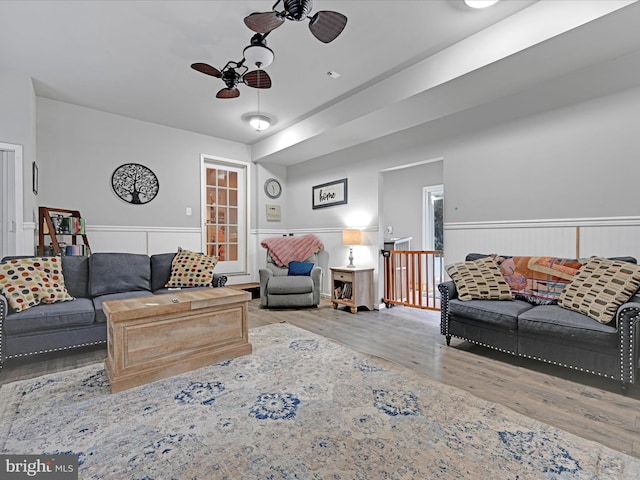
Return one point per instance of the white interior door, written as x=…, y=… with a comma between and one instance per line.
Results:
x=11, y=224
x=224, y=207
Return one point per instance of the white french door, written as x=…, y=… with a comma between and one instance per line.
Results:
x=224, y=207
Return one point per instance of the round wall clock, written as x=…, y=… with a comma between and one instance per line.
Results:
x=272, y=188
x=135, y=183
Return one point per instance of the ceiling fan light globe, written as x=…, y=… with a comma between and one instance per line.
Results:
x=258, y=56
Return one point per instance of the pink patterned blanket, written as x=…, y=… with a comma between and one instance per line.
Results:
x=289, y=249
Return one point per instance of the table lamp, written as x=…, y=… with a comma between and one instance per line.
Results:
x=351, y=237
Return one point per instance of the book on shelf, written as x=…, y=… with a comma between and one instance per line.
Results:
x=342, y=291
x=76, y=250
x=73, y=225
x=66, y=225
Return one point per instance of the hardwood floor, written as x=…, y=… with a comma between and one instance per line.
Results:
x=580, y=403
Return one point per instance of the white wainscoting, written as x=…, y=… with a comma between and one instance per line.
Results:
x=147, y=240
x=29, y=240
x=583, y=237
x=612, y=241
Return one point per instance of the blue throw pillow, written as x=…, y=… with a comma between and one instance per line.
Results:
x=300, y=268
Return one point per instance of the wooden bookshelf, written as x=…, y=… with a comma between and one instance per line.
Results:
x=46, y=228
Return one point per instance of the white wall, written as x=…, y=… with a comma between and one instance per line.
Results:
x=18, y=126
x=554, y=183
x=577, y=161
x=80, y=148
x=362, y=166
x=503, y=162
x=513, y=160
x=402, y=202
x=262, y=174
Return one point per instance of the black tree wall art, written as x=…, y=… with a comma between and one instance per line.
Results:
x=135, y=183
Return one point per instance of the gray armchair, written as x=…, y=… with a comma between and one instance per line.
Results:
x=280, y=290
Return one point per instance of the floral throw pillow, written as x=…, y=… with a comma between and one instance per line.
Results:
x=191, y=269
x=27, y=282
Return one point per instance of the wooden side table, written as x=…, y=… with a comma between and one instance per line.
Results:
x=352, y=287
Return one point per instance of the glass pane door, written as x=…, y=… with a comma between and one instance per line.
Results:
x=225, y=215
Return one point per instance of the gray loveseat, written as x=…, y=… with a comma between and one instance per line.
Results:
x=82, y=322
x=548, y=333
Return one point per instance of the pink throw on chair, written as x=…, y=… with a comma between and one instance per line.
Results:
x=288, y=249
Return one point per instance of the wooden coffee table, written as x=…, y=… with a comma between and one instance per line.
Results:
x=154, y=337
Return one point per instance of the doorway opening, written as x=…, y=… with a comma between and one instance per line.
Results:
x=433, y=223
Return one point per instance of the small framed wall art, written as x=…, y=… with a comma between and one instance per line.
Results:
x=329, y=194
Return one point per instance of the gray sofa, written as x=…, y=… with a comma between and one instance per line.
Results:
x=82, y=322
x=280, y=290
x=547, y=333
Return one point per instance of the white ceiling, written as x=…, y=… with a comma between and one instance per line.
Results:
x=133, y=58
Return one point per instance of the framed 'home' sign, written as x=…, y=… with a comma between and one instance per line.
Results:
x=329, y=194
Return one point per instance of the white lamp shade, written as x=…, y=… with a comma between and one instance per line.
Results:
x=480, y=3
x=258, y=56
x=351, y=236
x=260, y=122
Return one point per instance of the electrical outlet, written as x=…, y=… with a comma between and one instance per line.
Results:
x=188, y=211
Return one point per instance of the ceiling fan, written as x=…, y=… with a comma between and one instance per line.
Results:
x=233, y=74
x=325, y=25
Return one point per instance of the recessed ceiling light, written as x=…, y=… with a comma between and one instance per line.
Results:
x=480, y=3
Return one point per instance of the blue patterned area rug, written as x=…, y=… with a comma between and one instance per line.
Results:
x=299, y=407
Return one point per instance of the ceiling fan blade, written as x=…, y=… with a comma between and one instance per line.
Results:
x=208, y=69
x=257, y=79
x=327, y=25
x=263, y=22
x=228, y=93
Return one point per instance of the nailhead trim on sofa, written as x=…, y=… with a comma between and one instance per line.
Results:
x=627, y=373
x=2, y=315
x=218, y=281
x=53, y=350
